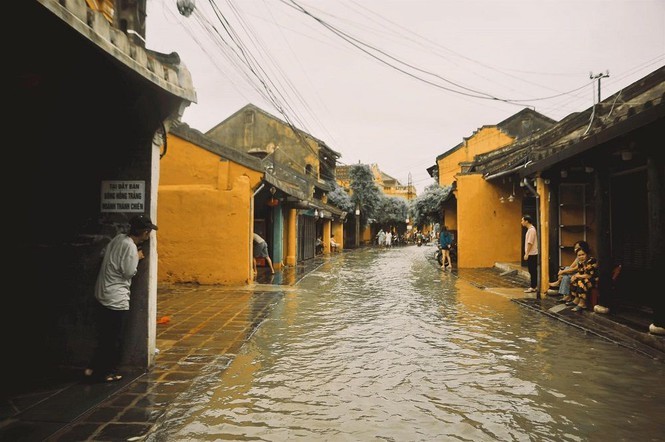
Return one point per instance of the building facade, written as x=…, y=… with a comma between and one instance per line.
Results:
x=599, y=175
x=206, y=210
x=300, y=168
x=91, y=107
x=477, y=210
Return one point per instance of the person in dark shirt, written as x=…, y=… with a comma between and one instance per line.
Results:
x=446, y=242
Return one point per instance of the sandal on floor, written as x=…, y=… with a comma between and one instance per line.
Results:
x=112, y=377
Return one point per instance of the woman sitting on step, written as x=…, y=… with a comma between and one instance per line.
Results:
x=562, y=284
x=584, y=280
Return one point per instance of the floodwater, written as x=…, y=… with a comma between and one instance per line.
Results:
x=381, y=345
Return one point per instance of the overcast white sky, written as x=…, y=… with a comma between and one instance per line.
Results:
x=451, y=60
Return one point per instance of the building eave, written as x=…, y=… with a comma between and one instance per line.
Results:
x=93, y=26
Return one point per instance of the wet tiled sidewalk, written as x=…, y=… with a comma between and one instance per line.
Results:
x=206, y=327
x=203, y=329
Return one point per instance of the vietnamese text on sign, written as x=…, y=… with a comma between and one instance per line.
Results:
x=123, y=196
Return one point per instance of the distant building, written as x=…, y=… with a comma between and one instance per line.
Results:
x=300, y=168
x=388, y=185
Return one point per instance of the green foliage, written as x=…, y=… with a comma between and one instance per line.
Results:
x=427, y=207
x=339, y=198
x=392, y=211
x=365, y=193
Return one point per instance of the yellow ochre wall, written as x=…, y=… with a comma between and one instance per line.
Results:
x=338, y=231
x=484, y=140
x=487, y=230
x=204, y=216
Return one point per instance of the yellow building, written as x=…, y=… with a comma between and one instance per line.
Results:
x=388, y=185
x=205, y=210
x=251, y=173
x=303, y=168
x=573, y=178
x=485, y=216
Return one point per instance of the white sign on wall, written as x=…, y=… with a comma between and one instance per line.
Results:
x=123, y=196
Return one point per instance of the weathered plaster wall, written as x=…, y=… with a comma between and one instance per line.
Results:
x=261, y=133
x=488, y=231
x=205, y=217
x=338, y=231
x=484, y=140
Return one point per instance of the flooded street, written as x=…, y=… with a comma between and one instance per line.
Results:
x=382, y=345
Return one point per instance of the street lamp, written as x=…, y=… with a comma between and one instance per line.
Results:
x=357, y=224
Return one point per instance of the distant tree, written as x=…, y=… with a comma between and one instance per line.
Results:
x=339, y=198
x=427, y=208
x=392, y=211
x=364, y=192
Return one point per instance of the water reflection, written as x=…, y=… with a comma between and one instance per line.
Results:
x=382, y=345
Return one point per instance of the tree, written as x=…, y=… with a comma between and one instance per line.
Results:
x=427, y=207
x=339, y=198
x=392, y=211
x=364, y=194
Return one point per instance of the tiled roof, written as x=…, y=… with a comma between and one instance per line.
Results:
x=628, y=109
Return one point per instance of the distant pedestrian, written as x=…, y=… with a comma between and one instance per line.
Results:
x=446, y=242
x=389, y=238
x=531, y=252
x=381, y=237
x=334, y=247
x=112, y=291
x=261, y=251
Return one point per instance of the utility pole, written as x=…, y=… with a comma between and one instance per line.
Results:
x=599, y=77
x=408, y=188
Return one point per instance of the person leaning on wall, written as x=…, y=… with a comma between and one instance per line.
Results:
x=112, y=291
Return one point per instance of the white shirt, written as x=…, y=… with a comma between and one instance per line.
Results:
x=120, y=263
x=531, y=241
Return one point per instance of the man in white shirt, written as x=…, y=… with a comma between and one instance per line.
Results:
x=531, y=252
x=112, y=291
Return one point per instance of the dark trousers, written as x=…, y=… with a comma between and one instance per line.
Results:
x=110, y=325
x=532, y=265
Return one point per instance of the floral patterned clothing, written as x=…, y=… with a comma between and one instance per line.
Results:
x=581, y=287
